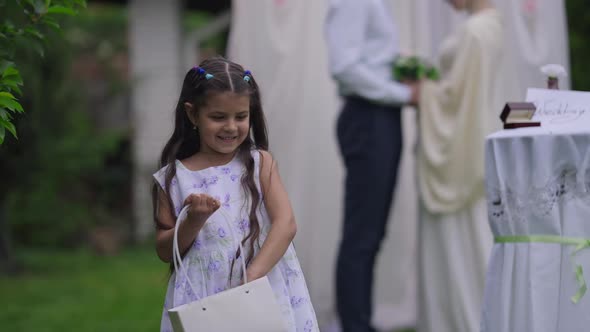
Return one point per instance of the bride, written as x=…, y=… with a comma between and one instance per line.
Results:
x=455, y=115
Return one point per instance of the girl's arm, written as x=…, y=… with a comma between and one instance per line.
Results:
x=202, y=206
x=283, y=226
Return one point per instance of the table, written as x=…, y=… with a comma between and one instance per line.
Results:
x=537, y=184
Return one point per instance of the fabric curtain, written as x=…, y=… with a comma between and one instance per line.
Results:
x=282, y=43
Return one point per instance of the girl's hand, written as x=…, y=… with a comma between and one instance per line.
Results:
x=202, y=206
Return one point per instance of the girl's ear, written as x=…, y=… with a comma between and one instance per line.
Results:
x=191, y=112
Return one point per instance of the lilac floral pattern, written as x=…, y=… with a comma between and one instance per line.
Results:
x=205, y=182
x=243, y=225
x=221, y=232
x=197, y=244
x=297, y=301
x=225, y=201
x=214, y=266
x=211, y=259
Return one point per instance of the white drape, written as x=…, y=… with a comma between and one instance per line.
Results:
x=282, y=43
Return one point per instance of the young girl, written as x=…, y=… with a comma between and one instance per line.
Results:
x=217, y=159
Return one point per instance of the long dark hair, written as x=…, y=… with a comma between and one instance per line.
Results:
x=185, y=142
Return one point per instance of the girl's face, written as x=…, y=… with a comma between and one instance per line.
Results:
x=223, y=122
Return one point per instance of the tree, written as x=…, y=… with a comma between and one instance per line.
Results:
x=24, y=30
x=23, y=26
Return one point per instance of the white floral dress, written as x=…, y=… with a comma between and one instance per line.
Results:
x=209, y=260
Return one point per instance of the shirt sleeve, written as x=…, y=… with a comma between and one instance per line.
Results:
x=346, y=33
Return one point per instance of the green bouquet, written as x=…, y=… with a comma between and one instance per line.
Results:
x=413, y=68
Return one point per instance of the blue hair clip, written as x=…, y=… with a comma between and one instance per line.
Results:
x=200, y=70
x=247, y=74
x=208, y=76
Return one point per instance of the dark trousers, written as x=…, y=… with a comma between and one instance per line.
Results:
x=370, y=139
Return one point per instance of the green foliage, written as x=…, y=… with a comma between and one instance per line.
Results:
x=65, y=174
x=578, y=16
x=413, y=68
x=22, y=26
x=65, y=194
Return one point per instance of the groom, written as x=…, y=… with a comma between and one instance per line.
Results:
x=362, y=45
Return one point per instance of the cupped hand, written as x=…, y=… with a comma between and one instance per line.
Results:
x=202, y=206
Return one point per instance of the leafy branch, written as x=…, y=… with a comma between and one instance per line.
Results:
x=26, y=30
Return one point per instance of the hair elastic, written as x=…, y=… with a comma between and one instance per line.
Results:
x=247, y=74
x=201, y=71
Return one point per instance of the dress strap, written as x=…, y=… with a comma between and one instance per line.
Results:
x=256, y=156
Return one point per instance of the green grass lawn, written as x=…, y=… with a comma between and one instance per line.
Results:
x=77, y=291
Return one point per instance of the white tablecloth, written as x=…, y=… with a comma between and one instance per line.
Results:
x=537, y=183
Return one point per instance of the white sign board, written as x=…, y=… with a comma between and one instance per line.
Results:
x=561, y=109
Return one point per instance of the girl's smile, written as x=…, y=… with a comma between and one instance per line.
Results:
x=227, y=139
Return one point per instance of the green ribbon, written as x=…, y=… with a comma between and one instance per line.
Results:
x=580, y=244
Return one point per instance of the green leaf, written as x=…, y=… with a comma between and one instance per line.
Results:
x=14, y=88
x=7, y=94
x=5, y=115
x=11, y=104
x=61, y=10
x=10, y=70
x=8, y=125
x=12, y=84
x=51, y=22
x=11, y=79
x=34, y=33
x=2, y=133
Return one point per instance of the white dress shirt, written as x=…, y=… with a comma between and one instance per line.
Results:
x=362, y=44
